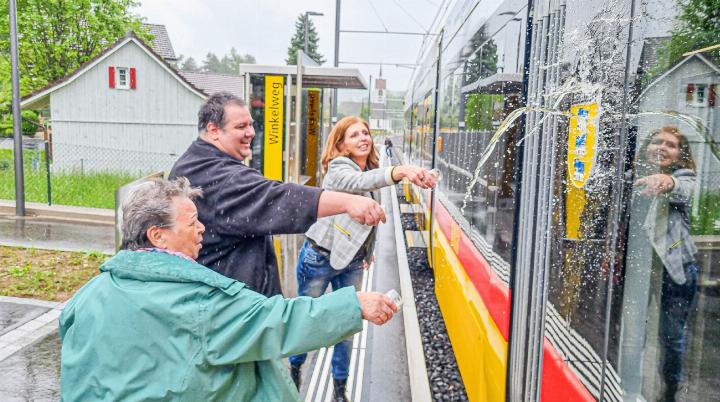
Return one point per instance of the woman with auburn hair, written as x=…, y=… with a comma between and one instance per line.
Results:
x=337, y=249
x=667, y=181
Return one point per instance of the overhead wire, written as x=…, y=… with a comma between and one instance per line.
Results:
x=410, y=15
x=377, y=15
x=438, y=15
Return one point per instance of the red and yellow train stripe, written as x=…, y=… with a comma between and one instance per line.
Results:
x=476, y=306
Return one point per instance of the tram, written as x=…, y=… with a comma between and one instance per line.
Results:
x=561, y=129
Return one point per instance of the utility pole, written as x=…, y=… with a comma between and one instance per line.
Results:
x=17, y=132
x=369, y=101
x=336, y=61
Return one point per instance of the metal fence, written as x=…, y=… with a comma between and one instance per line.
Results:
x=76, y=175
x=85, y=159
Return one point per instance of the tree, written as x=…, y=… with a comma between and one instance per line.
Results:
x=211, y=64
x=298, y=41
x=229, y=64
x=187, y=64
x=56, y=37
x=28, y=126
x=698, y=27
x=483, y=63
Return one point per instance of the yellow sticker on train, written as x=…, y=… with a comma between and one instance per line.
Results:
x=582, y=142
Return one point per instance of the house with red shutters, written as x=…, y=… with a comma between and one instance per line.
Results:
x=687, y=96
x=128, y=109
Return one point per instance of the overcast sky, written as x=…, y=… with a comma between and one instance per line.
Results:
x=263, y=28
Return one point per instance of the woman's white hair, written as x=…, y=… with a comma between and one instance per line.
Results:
x=151, y=204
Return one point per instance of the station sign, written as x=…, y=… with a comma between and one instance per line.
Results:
x=312, y=127
x=274, y=124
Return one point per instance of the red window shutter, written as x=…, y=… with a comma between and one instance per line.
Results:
x=689, y=94
x=713, y=95
x=111, y=76
x=133, y=82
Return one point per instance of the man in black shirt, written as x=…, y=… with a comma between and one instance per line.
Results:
x=241, y=209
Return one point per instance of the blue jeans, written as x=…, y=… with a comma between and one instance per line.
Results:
x=675, y=303
x=314, y=273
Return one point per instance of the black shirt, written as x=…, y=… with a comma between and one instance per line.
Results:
x=241, y=209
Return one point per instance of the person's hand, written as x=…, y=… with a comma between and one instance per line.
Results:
x=376, y=307
x=417, y=176
x=366, y=265
x=655, y=184
x=364, y=210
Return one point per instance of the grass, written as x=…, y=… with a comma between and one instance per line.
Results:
x=45, y=274
x=704, y=224
x=96, y=190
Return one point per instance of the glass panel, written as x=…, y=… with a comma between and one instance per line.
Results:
x=257, y=111
x=670, y=319
x=474, y=101
x=639, y=321
x=579, y=83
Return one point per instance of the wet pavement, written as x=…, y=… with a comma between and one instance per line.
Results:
x=29, y=349
x=29, y=340
x=56, y=235
x=33, y=373
x=13, y=315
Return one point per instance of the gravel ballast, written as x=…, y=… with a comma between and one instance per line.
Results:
x=445, y=381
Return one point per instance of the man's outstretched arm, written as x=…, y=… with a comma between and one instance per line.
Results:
x=362, y=209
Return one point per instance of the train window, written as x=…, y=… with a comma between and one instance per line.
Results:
x=617, y=265
x=670, y=283
x=633, y=239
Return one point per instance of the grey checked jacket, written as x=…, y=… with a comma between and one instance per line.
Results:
x=340, y=234
x=667, y=225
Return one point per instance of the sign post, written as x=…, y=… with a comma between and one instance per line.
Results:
x=17, y=131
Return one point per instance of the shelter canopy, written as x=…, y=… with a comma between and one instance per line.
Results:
x=498, y=83
x=313, y=77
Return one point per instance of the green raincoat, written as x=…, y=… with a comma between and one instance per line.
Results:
x=154, y=326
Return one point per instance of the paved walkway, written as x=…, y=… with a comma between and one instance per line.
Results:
x=29, y=350
x=51, y=234
x=24, y=321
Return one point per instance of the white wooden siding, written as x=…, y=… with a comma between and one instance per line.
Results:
x=123, y=129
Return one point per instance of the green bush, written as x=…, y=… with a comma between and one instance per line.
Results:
x=28, y=126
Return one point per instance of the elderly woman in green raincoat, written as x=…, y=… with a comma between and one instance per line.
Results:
x=155, y=325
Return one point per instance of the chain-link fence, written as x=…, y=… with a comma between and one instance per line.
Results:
x=75, y=174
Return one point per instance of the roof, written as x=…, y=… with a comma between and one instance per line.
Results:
x=210, y=83
x=314, y=77
x=161, y=41
x=496, y=84
x=40, y=98
x=649, y=54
